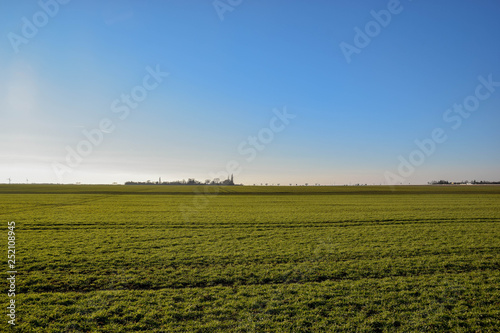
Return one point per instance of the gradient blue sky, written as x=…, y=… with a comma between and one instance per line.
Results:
x=353, y=120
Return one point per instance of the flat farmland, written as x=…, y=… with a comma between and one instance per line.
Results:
x=254, y=259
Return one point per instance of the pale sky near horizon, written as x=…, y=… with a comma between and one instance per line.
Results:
x=280, y=91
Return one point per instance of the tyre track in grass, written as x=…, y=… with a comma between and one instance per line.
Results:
x=270, y=226
x=42, y=207
x=491, y=270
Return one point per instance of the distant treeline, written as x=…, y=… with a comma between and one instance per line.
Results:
x=190, y=181
x=465, y=182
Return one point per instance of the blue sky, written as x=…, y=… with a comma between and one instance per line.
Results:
x=355, y=118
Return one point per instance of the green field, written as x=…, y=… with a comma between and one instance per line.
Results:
x=254, y=259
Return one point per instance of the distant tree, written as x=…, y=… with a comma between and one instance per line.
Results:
x=440, y=182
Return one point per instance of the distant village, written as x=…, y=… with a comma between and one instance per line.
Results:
x=230, y=181
x=465, y=182
x=190, y=181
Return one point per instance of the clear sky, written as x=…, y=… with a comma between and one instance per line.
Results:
x=276, y=91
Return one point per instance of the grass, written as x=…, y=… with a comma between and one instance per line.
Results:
x=255, y=259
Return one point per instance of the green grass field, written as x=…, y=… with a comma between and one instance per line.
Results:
x=254, y=259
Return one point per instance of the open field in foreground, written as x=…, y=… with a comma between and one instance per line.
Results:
x=254, y=259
